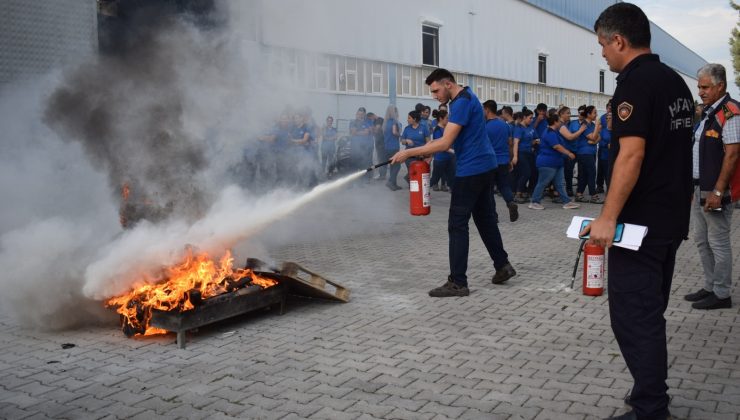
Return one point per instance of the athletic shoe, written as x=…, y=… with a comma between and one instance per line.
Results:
x=444, y=188
x=581, y=198
x=513, y=211
x=571, y=205
x=595, y=199
x=449, y=289
x=435, y=188
x=536, y=206
x=504, y=273
x=713, y=302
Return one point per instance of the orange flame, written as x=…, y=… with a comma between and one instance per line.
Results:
x=195, y=273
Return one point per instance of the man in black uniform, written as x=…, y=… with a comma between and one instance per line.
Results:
x=651, y=185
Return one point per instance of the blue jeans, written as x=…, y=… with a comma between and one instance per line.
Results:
x=526, y=165
x=713, y=239
x=473, y=195
x=586, y=173
x=549, y=174
x=503, y=184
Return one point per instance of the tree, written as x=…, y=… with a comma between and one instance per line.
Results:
x=735, y=45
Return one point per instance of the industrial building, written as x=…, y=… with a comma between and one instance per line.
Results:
x=349, y=54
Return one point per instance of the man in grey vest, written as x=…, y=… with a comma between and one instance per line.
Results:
x=716, y=151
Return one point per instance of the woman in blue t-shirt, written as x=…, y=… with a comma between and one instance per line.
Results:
x=550, y=165
x=602, y=170
x=444, y=162
x=586, y=156
x=569, y=133
x=391, y=136
x=523, y=159
x=414, y=135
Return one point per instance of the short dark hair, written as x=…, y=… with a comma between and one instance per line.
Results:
x=415, y=115
x=490, y=105
x=438, y=75
x=541, y=107
x=526, y=112
x=507, y=109
x=627, y=20
x=419, y=107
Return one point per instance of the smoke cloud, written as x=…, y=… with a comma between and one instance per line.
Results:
x=166, y=121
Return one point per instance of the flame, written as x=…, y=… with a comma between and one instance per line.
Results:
x=196, y=273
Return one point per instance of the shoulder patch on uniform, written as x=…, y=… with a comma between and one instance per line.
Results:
x=624, y=111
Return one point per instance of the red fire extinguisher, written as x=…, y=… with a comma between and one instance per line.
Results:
x=593, y=270
x=419, y=187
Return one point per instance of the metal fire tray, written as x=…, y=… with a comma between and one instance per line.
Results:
x=221, y=307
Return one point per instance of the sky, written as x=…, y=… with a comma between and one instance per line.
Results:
x=703, y=26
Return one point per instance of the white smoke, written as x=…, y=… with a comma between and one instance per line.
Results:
x=61, y=247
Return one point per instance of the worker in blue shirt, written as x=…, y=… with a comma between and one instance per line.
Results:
x=499, y=134
x=472, y=190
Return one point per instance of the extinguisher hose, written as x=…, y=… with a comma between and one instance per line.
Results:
x=575, y=266
x=378, y=165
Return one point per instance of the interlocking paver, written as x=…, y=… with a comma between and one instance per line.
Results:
x=526, y=349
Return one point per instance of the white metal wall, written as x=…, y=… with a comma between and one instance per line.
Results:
x=501, y=38
x=37, y=35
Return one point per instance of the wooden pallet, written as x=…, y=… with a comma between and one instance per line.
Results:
x=307, y=283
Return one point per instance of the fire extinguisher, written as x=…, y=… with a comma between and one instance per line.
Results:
x=593, y=270
x=419, y=178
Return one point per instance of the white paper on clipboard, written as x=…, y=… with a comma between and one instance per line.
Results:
x=631, y=237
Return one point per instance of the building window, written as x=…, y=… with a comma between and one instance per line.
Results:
x=377, y=77
x=542, y=69
x=430, y=45
x=601, y=81
x=322, y=73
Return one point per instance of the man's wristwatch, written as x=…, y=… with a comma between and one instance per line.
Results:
x=718, y=193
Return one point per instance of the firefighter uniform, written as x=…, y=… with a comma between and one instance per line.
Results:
x=651, y=101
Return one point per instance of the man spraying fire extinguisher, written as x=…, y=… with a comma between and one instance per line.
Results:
x=472, y=187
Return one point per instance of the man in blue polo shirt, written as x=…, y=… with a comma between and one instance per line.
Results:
x=472, y=191
x=499, y=134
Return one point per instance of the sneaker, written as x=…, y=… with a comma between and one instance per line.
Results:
x=581, y=199
x=504, y=273
x=713, y=302
x=595, y=199
x=449, y=289
x=536, y=206
x=435, y=188
x=513, y=211
x=697, y=296
x=444, y=188
x=571, y=205
x=520, y=200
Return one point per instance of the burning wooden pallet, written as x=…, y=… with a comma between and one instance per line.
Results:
x=241, y=291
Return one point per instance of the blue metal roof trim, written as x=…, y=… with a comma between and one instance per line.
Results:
x=584, y=13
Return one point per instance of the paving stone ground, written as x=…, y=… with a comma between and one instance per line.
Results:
x=527, y=349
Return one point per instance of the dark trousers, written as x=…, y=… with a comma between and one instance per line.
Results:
x=443, y=170
x=525, y=165
x=639, y=285
x=503, y=184
x=602, y=178
x=586, y=173
x=394, y=168
x=568, y=170
x=473, y=195
x=380, y=154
